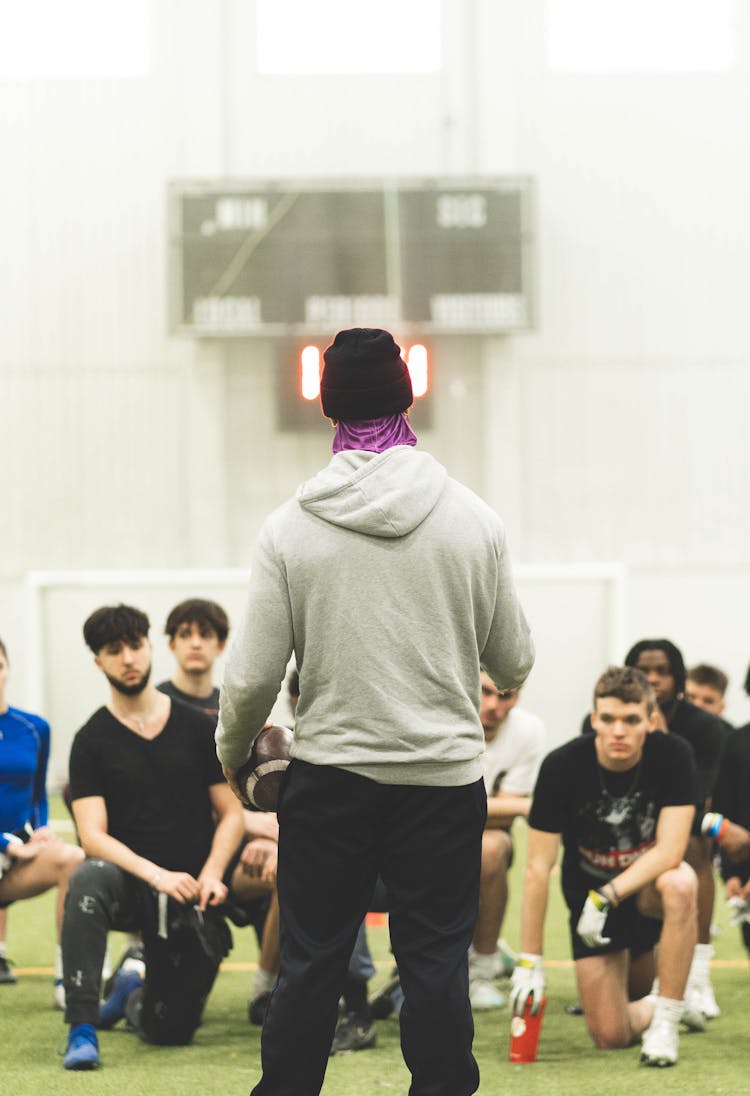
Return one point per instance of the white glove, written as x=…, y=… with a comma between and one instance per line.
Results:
x=527, y=982
x=591, y=922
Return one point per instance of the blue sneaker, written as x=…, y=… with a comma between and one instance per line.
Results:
x=113, y=1009
x=83, y=1048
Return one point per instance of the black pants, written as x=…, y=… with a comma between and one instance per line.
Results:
x=182, y=951
x=337, y=832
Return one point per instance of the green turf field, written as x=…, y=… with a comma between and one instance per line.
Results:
x=224, y=1057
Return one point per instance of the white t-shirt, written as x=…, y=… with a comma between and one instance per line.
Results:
x=512, y=759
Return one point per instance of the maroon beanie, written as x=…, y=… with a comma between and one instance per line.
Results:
x=364, y=376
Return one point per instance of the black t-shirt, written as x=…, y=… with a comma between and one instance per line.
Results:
x=732, y=792
x=207, y=704
x=155, y=790
x=608, y=819
x=706, y=735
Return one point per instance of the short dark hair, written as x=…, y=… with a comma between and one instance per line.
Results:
x=196, y=610
x=113, y=624
x=627, y=684
x=706, y=674
x=674, y=655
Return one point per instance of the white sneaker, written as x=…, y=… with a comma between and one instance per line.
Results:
x=659, y=1046
x=693, y=1016
x=505, y=960
x=709, y=1006
x=483, y=994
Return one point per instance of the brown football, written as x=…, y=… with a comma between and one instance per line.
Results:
x=261, y=775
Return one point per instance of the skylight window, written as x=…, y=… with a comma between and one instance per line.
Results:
x=641, y=35
x=339, y=37
x=74, y=39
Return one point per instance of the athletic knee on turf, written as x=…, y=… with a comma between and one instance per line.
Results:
x=496, y=847
x=91, y=888
x=678, y=889
x=65, y=859
x=612, y=1034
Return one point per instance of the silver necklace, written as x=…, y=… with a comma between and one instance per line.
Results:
x=625, y=795
x=140, y=721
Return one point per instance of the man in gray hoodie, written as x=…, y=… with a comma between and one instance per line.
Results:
x=390, y=582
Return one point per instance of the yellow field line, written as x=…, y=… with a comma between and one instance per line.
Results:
x=553, y=964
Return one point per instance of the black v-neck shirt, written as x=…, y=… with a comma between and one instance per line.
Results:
x=156, y=791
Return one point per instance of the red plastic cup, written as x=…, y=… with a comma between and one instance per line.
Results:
x=524, y=1034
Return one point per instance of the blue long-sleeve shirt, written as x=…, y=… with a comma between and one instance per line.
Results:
x=24, y=754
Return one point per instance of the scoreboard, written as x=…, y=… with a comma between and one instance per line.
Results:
x=302, y=258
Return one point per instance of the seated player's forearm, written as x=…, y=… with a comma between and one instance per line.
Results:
x=105, y=847
x=732, y=838
x=261, y=824
x=646, y=869
x=227, y=838
x=534, y=909
x=502, y=810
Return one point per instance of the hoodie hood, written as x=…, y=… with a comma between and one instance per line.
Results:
x=379, y=494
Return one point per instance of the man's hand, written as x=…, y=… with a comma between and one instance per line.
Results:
x=270, y=867
x=527, y=982
x=592, y=919
x=256, y=855
x=733, y=888
x=212, y=890
x=16, y=850
x=231, y=776
x=177, y=884
x=44, y=836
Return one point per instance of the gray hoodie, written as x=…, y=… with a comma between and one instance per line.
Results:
x=390, y=582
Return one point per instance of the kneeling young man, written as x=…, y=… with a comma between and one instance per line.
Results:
x=623, y=802
x=159, y=824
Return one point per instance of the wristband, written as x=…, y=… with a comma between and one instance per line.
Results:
x=600, y=900
x=615, y=896
x=715, y=825
x=528, y=961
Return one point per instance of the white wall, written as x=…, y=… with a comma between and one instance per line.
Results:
x=614, y=431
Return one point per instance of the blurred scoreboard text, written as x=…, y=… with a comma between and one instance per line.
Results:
x=429, y=256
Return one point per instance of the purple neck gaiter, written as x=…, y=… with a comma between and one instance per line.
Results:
x=375, y=435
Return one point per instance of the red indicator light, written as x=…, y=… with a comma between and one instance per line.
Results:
x=310, y=373
x=416, y=360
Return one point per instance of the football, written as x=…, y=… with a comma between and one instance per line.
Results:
x=261, y=775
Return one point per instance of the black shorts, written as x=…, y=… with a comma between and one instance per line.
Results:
x=627, y=928
x=254, y=911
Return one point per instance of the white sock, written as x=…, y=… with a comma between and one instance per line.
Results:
x=483, y=966
x=135, y=964
x=2, y=949
x=263, y=981
x=668, y=1009
x=701, y=964
x=58, y=962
